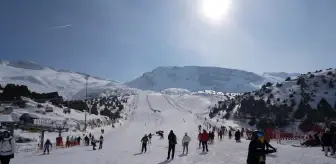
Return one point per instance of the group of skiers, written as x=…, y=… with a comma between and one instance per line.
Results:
x=172, y=141
x=94, y=141
x=328, y=142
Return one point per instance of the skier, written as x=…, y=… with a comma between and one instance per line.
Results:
x=256, y=151
x=327, y=142
x=87, y=141
x=199, y=127
x=7, y=148
x=220, y=134
x=237, y=136
x=47, y=144
x=230, y=134
x=204, y=139
x=199, y=139
x=78, y=140
x=144, y=141
x=172, y=143
x=211, y=137
x=93, y=143
x=185, y=143
x=150, y=138
x=101, y=139
x=67, y=143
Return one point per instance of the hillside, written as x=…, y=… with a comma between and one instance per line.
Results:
x=196, y=78
x=44, y=79
x=310, y=98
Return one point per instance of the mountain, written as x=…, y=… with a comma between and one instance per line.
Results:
x=196, y=78
x=279, y=76
x=309, y=97
x=44, y=79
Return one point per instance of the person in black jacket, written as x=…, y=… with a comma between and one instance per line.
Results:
x=144, y=141
x=257, y=152
x=172, y=143
x=237, y=136
x=327, y=142
x=47, y=145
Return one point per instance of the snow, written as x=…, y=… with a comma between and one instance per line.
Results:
x=194, y=78
x=121, y=146
x=44, y=79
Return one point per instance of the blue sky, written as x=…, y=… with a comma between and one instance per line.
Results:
x=121, y=39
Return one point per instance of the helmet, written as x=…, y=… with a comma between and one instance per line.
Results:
x=257, y=134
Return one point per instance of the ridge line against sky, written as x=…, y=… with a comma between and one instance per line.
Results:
x=122, y=39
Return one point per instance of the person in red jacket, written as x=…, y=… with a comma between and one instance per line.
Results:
x=204, y=137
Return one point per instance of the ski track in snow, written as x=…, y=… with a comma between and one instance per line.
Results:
x=122, y=146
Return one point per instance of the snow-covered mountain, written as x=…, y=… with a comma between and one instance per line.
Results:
x=44, y=79
x=310, y=97
x=196, y=78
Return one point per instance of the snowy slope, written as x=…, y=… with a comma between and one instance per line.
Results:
x=196, y=78
x=44, y=79
x=122, y=146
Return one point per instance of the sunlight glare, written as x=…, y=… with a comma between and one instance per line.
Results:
x=215, y=10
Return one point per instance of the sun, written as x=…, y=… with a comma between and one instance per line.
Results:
x=215, y=10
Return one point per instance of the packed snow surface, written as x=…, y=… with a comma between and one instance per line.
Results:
x=161, y=112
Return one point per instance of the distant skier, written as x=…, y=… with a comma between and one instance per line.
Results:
x=230, y=134
x=150, y=138
x=101, y=139
x=93, y=143
x=78, y=140
x=185, y=143
x=204, y=139
x=237, y=136
x=199, y=139
x=199, y=128
x=171, y=145
x=47, y=145
x=87, y=141
x=144, y=141
x=220, y=134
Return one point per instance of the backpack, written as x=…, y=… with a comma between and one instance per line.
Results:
x=10, y=141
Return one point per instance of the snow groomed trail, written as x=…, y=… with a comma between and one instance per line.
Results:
x=156, y=112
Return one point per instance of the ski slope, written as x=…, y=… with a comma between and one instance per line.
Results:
x=155, y=112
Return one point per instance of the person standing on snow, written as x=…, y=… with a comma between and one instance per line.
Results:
x=144, y=141
x=78, y=140
x=47, y=145
x=256, y=151
x=150, y=138
x=199, y=139
x=185, y=143
x=230, y=134
x=87, y=141
x=220, y=134
x=7, y=148
x=327, y=142
x=171, y=146
x=93, y=143
x=204, y=139
x=101, y=139
x=237, y=136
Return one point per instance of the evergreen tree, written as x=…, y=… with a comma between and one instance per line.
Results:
x=325, y=108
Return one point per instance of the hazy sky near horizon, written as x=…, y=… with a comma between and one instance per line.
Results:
x=121, y=39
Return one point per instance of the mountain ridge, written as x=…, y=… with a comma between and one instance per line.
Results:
x=196, y=78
